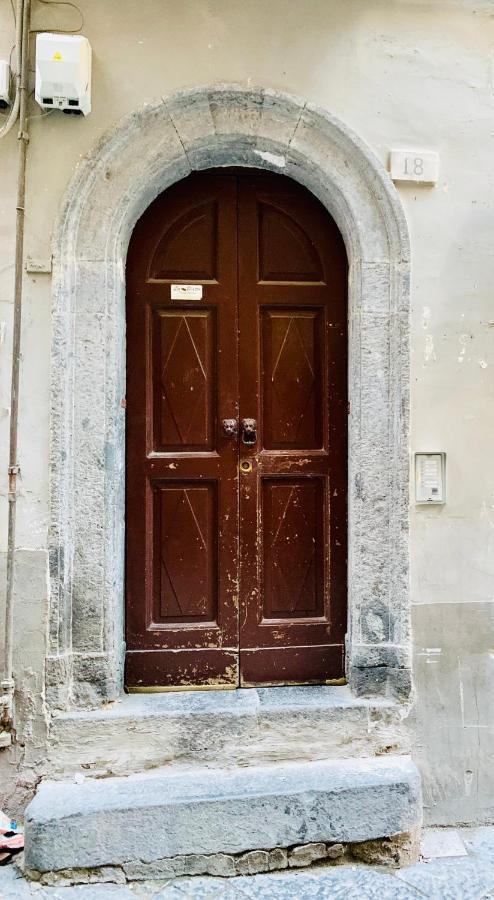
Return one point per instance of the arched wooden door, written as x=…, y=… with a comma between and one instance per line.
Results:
x=236, y=436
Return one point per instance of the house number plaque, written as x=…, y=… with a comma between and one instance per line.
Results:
x=414, y=165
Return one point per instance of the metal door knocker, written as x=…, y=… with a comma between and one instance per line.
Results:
x=249, y=431
x=230, y=428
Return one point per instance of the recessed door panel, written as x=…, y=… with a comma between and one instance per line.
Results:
x=194, y=230
x=293, y=378
x=185, y=524
x=293, y=532
x=286, y=251
x=184, y=358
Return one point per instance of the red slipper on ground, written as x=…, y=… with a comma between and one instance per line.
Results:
x=14, y=842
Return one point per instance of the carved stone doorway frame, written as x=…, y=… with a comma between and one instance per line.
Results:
x=141, y=157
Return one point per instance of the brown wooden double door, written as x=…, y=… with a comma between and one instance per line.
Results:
x=236, y=530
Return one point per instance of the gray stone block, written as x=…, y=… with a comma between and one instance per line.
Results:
x=253, y=862
x=252, y=726
x=305, y=855
x=278, y=858
x=336, y=851
x=164, y=814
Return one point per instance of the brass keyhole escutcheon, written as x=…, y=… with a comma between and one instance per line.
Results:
x=245, y=466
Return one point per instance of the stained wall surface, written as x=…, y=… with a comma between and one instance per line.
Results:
x=400, y=74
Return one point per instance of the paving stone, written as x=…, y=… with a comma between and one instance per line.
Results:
x=465, y=878
x=479, y=841
x=461, y=878
x=86, y=892
x=441, y=842
x=203, y=889
x=14, y=887
x=352, y=883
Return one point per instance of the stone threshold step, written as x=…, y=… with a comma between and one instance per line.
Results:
x=247, y=726
x=147, y=817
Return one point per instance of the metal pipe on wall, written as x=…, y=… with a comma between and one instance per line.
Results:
x=14, y=112
x=22, y=29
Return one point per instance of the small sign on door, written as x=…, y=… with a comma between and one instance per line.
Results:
x=186, y=291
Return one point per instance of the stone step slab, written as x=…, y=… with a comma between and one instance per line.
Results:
x=249, y=726
x=173, y=812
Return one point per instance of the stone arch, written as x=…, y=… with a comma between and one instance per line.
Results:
x=150, y=150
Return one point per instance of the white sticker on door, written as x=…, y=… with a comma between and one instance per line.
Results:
x=186, y=292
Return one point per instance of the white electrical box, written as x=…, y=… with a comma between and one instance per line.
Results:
x=430, y=478
x=4, y=84
x=63, y=73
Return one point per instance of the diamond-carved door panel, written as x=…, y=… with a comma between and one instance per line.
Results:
x=187, y=552
x=184, y=374
x=293, y=540
x=293, y=350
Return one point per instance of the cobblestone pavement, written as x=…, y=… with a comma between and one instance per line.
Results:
x=457, y=864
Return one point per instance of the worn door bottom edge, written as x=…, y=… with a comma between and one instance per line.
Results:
x=161, y=689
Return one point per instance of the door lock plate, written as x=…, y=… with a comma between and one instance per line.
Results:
x=245, y=466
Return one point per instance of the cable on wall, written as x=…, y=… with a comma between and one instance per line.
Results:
x=22, y=28
x=14, y=110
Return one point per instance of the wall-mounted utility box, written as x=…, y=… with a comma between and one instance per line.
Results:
x=430, y=478
x=63, y=73
x=4, y=84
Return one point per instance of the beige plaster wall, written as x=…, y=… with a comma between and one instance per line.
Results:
x=401, y=74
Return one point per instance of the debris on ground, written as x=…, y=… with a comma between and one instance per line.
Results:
x=11, y=839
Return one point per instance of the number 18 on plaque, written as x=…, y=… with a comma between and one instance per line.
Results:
x=414, y=165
